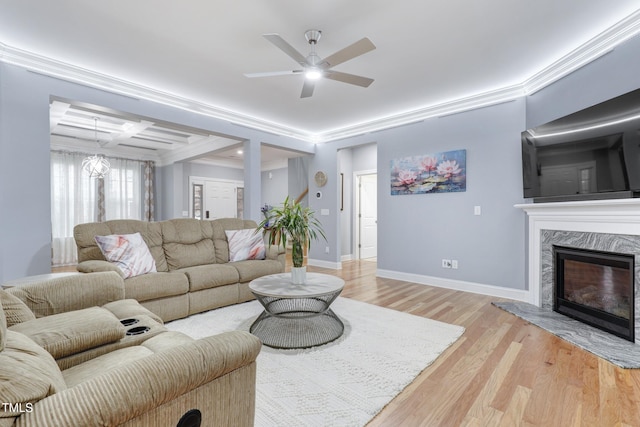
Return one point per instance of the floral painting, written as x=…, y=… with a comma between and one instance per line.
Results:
x=432, y=173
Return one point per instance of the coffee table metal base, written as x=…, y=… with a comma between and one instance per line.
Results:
x=290, y=323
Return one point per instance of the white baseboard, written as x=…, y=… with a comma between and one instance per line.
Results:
x=324, y=264
x=347, y=257
x=458, y=285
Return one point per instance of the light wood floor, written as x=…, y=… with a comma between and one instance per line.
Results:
x=502, y=372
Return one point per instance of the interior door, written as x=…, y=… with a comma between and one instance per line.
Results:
x=220, y=200
x=368, y=216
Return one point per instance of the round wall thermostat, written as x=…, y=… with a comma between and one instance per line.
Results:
x=320, y=178
x=318, y=194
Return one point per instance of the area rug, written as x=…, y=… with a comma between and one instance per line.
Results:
x=343, y=383
x=618, y=351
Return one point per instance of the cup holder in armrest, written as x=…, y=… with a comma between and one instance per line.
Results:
x=129, y=322
x=138, y=330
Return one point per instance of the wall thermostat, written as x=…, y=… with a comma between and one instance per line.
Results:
x=318, y=194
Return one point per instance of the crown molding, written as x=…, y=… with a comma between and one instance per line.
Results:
x=413, y=116
x=63, y=71
x=593, y=49
x=598, y=46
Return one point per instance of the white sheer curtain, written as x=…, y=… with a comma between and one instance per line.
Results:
x=76, y=198
x=123, y=190
x=73, y=196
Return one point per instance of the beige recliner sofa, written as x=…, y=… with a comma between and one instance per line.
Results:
x=192, y=260
x=67, y=358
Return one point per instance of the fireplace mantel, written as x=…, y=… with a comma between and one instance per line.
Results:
x=616, y=216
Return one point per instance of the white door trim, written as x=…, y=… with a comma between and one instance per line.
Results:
x=355, y=224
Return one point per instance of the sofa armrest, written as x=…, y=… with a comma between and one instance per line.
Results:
x=127, y=392
x=97, y=266
x=274, y=251
x=277, y=253
x=68, y=293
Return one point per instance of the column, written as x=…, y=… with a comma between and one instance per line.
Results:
x=252, y=180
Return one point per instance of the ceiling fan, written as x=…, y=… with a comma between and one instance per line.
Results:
x=314, y=67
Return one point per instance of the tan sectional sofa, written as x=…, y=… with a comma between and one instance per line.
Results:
x=192, y=261
x=69, y=357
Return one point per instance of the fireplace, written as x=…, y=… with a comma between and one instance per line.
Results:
x=596, y=287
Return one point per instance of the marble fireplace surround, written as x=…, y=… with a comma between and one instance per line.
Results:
x=608, y=225
x=624, y=244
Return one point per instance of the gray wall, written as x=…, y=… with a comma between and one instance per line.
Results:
x=211, y=171
x=365, y=157
x=326, y=160
x=274, y=186
x=415, y=232
x=345, y=166
x=25, y=193
x=164, y=201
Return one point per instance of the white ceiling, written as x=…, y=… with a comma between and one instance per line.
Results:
x=429, y=53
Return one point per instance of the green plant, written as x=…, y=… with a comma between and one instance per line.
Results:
x=292, y=222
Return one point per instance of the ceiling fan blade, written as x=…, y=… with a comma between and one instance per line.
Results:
x=281, y=44
x=307, y=88
x=348, y=78
x=273, y=73
x=358, y=48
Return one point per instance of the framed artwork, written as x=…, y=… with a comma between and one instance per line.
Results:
x=430, y=173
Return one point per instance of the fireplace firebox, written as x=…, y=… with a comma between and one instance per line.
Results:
x=596, y=288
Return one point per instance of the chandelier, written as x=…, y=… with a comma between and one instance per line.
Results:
x=96, y=166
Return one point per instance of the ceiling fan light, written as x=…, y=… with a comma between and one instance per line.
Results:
x=313, y=74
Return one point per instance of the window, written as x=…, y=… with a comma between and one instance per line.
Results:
x=122, y=190
x=126, y=193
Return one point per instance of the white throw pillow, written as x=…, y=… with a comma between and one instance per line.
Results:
x=245, y=244
x=129, y=252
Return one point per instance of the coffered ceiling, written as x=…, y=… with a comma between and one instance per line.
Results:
x=430, y=57
x=78, y=126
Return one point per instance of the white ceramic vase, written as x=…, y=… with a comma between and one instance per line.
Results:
x=298, y=275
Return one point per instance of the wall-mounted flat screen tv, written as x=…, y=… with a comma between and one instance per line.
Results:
x=591, y=154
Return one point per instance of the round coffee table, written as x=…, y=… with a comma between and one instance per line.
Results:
x=297, y=316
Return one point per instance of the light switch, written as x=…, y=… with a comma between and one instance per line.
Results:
x=477, y=210
x=324, y=212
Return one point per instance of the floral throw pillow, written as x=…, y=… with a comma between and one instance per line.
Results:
x=245, y=244
x=127, y=251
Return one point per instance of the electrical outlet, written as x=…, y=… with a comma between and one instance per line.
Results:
x=446, y=263
x=454, y=264
x=326, y=249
